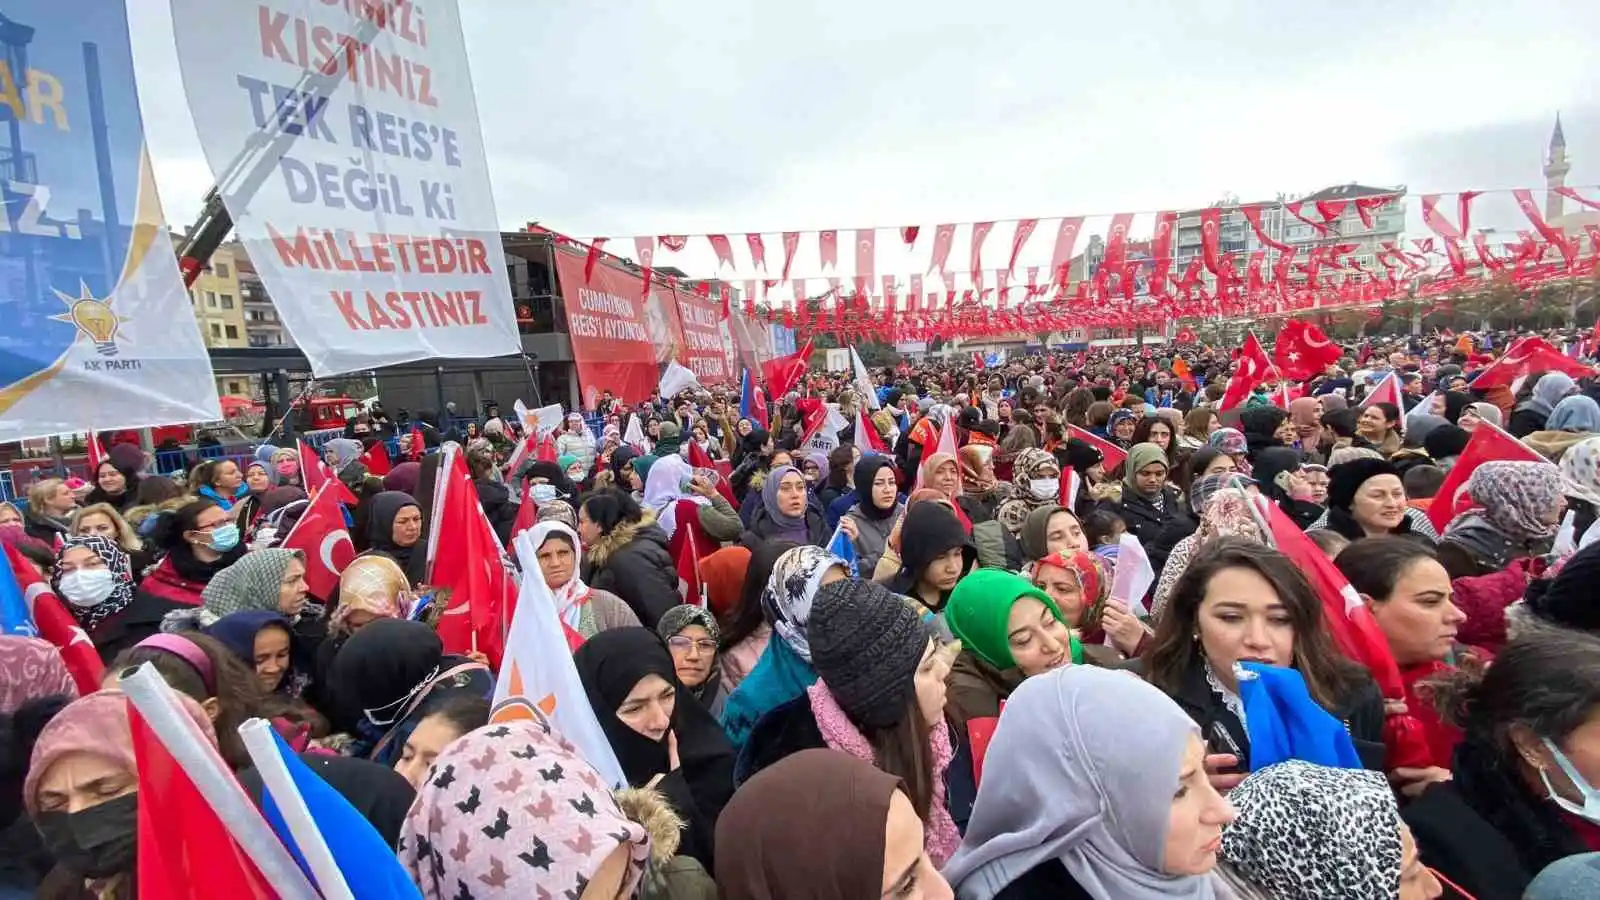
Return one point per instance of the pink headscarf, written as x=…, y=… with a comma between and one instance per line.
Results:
x=96, y=724
x=30, y=669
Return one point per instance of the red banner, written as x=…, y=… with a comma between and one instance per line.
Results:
x=620, y=340
x=704, y=350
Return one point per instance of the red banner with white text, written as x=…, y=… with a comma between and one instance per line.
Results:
x=621, y=341
x=707, y=345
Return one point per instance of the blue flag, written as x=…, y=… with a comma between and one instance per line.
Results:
x=841, y=546
x=367, y=863
x=15, y=619
x=1286, y=723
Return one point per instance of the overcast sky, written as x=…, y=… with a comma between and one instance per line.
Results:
x=628, y=117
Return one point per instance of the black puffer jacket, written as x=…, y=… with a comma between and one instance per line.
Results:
x=633, y=562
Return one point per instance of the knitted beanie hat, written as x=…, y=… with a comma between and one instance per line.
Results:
x=866, y=645
x=979, y=612
x=1346, y=478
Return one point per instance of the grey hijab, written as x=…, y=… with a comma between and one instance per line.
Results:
x=1063, y=781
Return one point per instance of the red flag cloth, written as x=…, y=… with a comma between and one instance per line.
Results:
x=1114, y=455
x=1253, y=369
x=546, y=451
x=313, y=471
x=980, y=732
x=723, y=249
x=758, y=249
x=527, y=513
x=1018, y=238
x=1070, y=485
x=1488, y=444
x=866, y=253
x=784, y=372
x=867, y=437
x=687, y=562
x=97, y=455
x=1061, y=256
x=185, y=851
x=377, y=459
x=1556, y=237
x=944, y=236
x=320, y=535
x=980, y=232
x=1354, y=631
x=1252, y=214
x=977, y=359
x=464, y=557
x=418, y=444
x=1525, y=357
x=56, y=625
x=673, y=242
x=592, y=258
x=1211, y=240
x=828, y=248
x=791, y=243
x=699, y=459
x=908, y=234
x=1303, y=351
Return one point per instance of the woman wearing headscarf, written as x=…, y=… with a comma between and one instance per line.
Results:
x=1277, y=473
x=1124, y=820
x=280, y=509
x=259, y=478
x=662, y=740
x=394, y=529
x=879, y=696
x=1518, y=513
x=93, y=577
x=694, y=639
x=1264, y=427
x=750, y=462
x=848, y=829
x=31, y=668
x=82, y=792
x=934, y=554
x=1366, y=497
x=1575, y=418
x=745, y=630
x=395, y=671
x=684, y=501
x=1222, y=504
x=1051, y=529
x=981, y=492
x=787, y=512
x=585, y=610
x=1149, y=504
x=783, y=670
x=1305, y=416
x=575, y=838
x=273, y=581
x=1348, y=841
x=370, y=588
x=1533, y=413
x=1475, y=413
x=877, y=508
x=265, y=641
x=1232, y=442
x=343, y=456
x=1009, y=630
x=1036, y=482
x=626, y=553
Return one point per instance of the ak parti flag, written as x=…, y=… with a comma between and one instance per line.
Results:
x=322, y=538
x=1488, y=443
x=1114, y=455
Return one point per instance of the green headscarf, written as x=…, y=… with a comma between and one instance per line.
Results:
x=641, y=467
x=979, y=612
x=1140, y=456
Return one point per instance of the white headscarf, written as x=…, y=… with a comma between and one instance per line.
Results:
x=569, y=597
x=1063, y=781
x=663, y=488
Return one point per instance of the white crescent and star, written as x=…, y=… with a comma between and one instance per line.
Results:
x=325, y=550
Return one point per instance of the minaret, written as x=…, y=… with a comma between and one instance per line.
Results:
x=1555, y=172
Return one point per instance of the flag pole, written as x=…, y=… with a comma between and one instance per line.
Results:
x=262, y=745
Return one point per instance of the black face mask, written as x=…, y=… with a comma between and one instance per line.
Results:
x=97, y=842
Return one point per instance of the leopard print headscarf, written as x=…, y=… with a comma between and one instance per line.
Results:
x=1308, y=832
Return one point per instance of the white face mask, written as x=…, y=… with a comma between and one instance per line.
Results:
x=543, y=493
x=84, y=588
x=1591, y=798
x=1044, y=488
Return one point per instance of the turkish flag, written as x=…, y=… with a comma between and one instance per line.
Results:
x=944, y=237
x=1210, y=240
x=314, y=472
x=97, y=455
x=758, y=249
x=867, y=437
x=322, y=538
x=464, y=557
x=1253, y=367
x=377, y=459
x=866, y=253
x=690, y=586
x=418, y=444
x=1525, y=357
x=55, y=624
x=1114, y=455
x=1354, y=631
x=785, y=372
x=1303, y=351
x=828, y=248
x=722, y=248
x=1488, y=443
x=1185, y=335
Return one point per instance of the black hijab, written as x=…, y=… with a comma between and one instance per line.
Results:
x=385, y=662
x=386, y=505
x=866, y=471
x=1455, y=403
x=610, y=664
x=619, y=458
x=378, y=792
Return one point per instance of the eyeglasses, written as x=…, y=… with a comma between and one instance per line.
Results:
x=685, y=644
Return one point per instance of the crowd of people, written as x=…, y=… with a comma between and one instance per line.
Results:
x=961, y=704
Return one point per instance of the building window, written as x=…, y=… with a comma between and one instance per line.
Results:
x=233, y=333
x=216, y=331
x=211, y=299
x=227, y=301
x=220, y=270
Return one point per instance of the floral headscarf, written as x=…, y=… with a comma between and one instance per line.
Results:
x=513, y=810
x=1025, y=466
x=1519, y=498
x=122, y=586
x=977, y=469
x=30, y=669
x=1229, y=440
x=1580, y=471
x=374, y=584
x=786, y=599
x=1230, y=513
